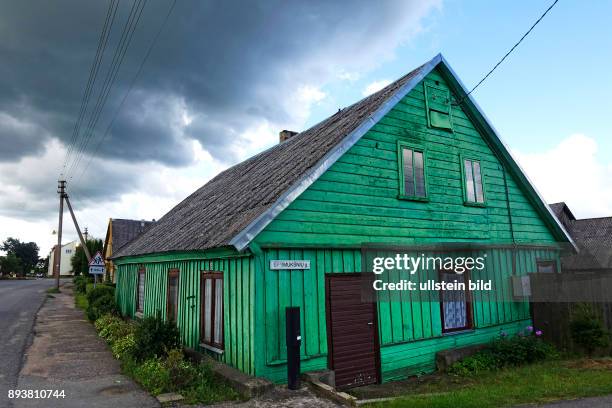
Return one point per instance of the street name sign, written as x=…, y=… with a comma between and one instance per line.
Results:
x=289, y=264
x=96, y=265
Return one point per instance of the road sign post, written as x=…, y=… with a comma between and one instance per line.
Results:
x=96, y=266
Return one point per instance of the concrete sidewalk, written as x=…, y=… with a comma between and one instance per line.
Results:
x=67, y=354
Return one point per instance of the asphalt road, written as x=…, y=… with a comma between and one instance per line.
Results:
x=19, y=302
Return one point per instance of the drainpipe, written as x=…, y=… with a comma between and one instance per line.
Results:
x=503, y=168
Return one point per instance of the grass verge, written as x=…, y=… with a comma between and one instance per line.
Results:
x=53, y=290
x=80, y=300
x=537, y=383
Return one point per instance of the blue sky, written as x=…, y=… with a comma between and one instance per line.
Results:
x=555, y=83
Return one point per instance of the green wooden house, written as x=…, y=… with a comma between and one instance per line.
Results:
x=415, y=163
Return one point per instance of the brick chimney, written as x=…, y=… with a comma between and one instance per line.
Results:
x=285, y=134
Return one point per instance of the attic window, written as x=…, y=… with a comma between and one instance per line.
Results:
x=438, y=107
x=472, y=182
x=412, y=172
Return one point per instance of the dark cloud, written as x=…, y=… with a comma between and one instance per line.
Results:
x=219, y=68
x=231, y=63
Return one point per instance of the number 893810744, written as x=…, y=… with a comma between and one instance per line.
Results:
x=36, y=394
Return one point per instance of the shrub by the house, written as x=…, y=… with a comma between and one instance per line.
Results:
x=101, y=301
x=80, y=284
x=154, y=337
x=587, y=329
x=150, y=353
x=525, y=348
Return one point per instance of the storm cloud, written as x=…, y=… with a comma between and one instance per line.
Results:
x=219, y=70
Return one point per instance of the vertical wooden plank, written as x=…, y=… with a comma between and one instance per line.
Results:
x=384, y=311
x=492, y=295
x=272, y=306
x=311, y=311
x=395, y=309
x=321, y=317
x=284, y=300
x=236, y=268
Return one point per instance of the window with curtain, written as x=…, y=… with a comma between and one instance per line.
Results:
x=211, y=319
x=172, y=295
x=412, y=173
x=140, y=291
x=472, y=180
x=455, y=307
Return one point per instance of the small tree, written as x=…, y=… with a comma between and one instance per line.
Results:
x=587, y=329
x=10, y=264
x=27, y=252
x=78, y=262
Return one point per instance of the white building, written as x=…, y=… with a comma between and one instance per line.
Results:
x=67, y=251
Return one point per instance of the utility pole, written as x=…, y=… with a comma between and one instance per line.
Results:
x=86, y=234
x=61, y=189
x=76, y=225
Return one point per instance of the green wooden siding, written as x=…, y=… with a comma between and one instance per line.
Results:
x=238, y=295
x=355, y=201
x=404, y=317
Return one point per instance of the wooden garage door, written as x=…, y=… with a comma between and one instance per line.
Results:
x=352, y=332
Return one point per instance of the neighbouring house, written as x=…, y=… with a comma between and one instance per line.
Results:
x=118, y=233
x=414, y=163
x=65, y=268
x=593, y=236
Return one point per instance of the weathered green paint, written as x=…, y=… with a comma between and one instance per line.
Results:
x=354, y=202
x=238, y=294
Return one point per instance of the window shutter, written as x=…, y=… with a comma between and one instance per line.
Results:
x=438, y=107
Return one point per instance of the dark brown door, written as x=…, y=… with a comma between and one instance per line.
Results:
x=352, y=332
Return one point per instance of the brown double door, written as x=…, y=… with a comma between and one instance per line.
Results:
x=352, y=332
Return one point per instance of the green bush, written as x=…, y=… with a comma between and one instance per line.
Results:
x=104, y=321
x=587, y=329
x=98, y=292
x=479, y=362
x=123, y=347
x=112, y=328
x=100, y=306
x=153, y=375
x=154, y=337
x=525, y=348
x=181, y=371
x=521, y=349
x=80, y=284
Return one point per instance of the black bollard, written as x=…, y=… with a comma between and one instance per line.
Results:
x=294, y=340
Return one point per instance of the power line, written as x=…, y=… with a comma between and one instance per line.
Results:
x=93, y=72
x=109, y=80
x=111, y=76
x=134, y=79
x=509, y=52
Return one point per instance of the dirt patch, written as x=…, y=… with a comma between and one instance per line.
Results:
x=591, y=364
